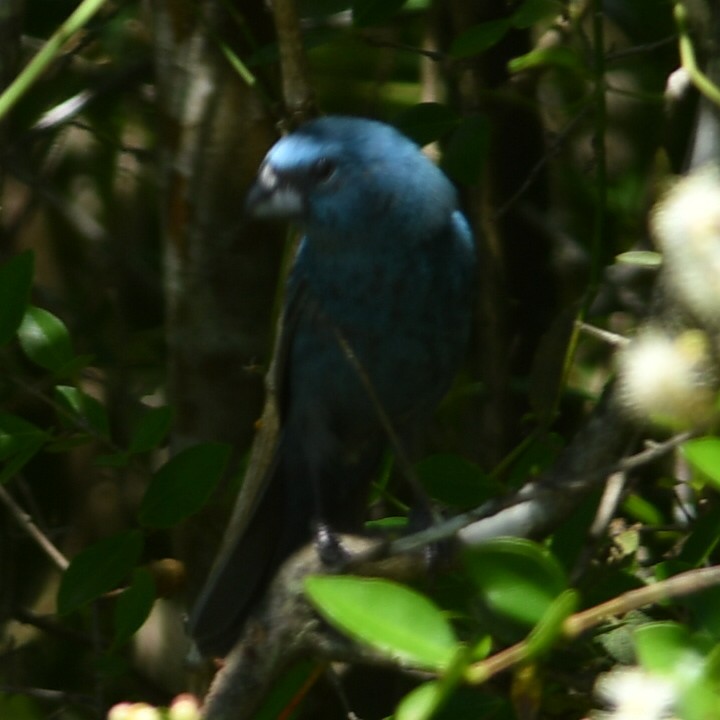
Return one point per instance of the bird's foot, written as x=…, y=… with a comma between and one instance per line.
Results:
x=438, y=555
x=331, y=551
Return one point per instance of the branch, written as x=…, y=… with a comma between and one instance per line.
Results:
x=297, y=90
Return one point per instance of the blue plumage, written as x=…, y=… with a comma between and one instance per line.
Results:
x=386, y=263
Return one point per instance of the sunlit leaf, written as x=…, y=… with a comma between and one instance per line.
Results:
x=548, y=631
x=392, y=618
x=704, y=455
x=517, y=578
x=421, y=703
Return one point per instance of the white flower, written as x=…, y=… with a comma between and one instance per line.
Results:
x=635, y=695
x=670, y=381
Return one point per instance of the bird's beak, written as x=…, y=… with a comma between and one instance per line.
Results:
x=273, y=197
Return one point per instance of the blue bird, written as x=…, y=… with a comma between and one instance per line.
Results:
x=386, y=268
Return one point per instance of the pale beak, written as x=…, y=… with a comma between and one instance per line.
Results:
x=272, y=196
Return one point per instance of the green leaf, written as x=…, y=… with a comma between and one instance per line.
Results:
x=535, y=11
x=98, y=569
x=46, y=341
x=641, y=258
x=183, y=484
x=392, y=618
x=374, y=12
x=479, y=38
x=467, y=150
x=704, y=455
x=550, y=57
x=454, y=481
x=421, y=703
x=16, y=277
x=427, y=122
x=689, y=663
x=662, y=646
x=133, y=606
x=546, y=633
x=703, y=539
x=518, y=579
x=642, y=510
x=151, y=430
x=89, y=412
x=20, y=440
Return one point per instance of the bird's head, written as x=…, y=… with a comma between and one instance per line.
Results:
x=339, y=174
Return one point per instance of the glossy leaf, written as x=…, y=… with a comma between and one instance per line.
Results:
x=98, y=569
x=518, y=579
x=133, y=606
x=704, y=455
x=20, y=440
x=45, y=340
x=152, y=428
x=427, y=122
x=183, y=484
x=16, y=277
x=392, y=618
x=89, y=412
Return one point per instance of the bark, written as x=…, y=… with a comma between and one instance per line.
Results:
x=220, y=271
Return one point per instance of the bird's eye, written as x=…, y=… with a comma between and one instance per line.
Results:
x=323, y=169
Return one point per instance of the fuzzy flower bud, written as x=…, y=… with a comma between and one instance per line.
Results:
x=669, y=381
x=686, y=226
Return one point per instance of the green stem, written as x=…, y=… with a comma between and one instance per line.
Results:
x=47, y=54
x=688, y=59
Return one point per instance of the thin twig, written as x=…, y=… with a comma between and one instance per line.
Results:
x=685, y=583
x=604, y=335
x=531, y=493
x=31, y=529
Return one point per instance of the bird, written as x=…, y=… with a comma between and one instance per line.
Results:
x=375, y=323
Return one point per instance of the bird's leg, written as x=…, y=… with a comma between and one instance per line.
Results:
x=437, y=555
x=329, y=548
